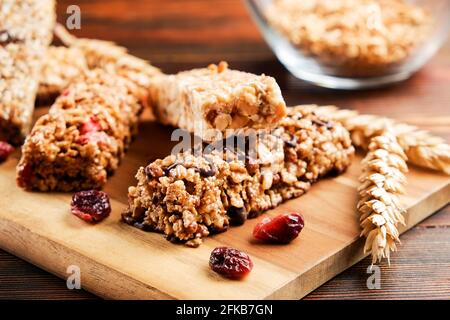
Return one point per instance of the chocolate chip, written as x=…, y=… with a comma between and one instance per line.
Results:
x=190, y=186
x=214, y=230
x=127, y=219
x=252, y=166
x=152, y=172
x=172, y=238
x=138, y=212
x=291, y=143
x=253, y=214
x=144, y=226
x=211, y=171
x=6, y=38
x=237, y=216
x=319, y=122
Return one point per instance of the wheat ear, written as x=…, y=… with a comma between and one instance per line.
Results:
x=421, y=148
x=382, y=180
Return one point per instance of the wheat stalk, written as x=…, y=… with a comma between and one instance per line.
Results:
x=381, y=181
x=421, y=148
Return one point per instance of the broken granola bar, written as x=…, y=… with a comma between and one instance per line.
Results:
x=211, y=100
x=25, y=33
x=189, y=195
x=83, y=137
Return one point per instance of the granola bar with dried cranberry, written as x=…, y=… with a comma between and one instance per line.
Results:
x=189, y=195
x=215, y=100
x=83, y=137
x=25, y=33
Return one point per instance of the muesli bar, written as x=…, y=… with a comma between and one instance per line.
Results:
x=110, y=57
x=25, y=33
x=61, y=67
x=65, y=63
x=83, y=137
x=188, y=196
x=208, y=101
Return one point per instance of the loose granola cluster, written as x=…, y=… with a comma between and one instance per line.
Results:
x=211, y=100
x=25, y=33
x=83, y=137
x=188, y=196
x=358, y=37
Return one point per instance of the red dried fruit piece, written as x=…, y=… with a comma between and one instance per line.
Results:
x=5, y=150
x=92, y=125
x=230, y=263
x=283, y=228
x=91, y=206
x=24, y=175
x=94, y=137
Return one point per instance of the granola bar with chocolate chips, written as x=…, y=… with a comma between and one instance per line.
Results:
x=25, y=33
x=210, y=100
x=83, y=137
x=189, y=195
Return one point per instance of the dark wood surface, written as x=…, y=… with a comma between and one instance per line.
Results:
x=181, y=34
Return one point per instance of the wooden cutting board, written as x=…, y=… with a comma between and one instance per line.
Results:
x=118, y=261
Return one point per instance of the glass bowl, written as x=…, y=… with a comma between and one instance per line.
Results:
x=380, y=41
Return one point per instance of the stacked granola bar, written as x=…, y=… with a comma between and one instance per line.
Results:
x=210, y=100
x=111, y=57
x=190, y=195
x=60, y=68
x=25, y=33
x=83, y=137
x=65, y=64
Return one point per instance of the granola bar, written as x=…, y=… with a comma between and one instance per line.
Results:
x=189, y=195
x=25, y=33
x=60, y=68
x=83, y=137
x=110, y=57
x=65, y=63
x=211, y=100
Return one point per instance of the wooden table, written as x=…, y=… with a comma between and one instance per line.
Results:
x=181, y=34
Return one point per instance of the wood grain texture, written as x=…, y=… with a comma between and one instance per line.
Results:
x=181, y=34
x=118, y=261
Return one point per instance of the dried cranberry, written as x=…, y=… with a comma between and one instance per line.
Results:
x=90, y=126
x=91, y=206
x=94, y=137
x=24, y=175
x=5, y=150
x=283, y=228
x=230, y=263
